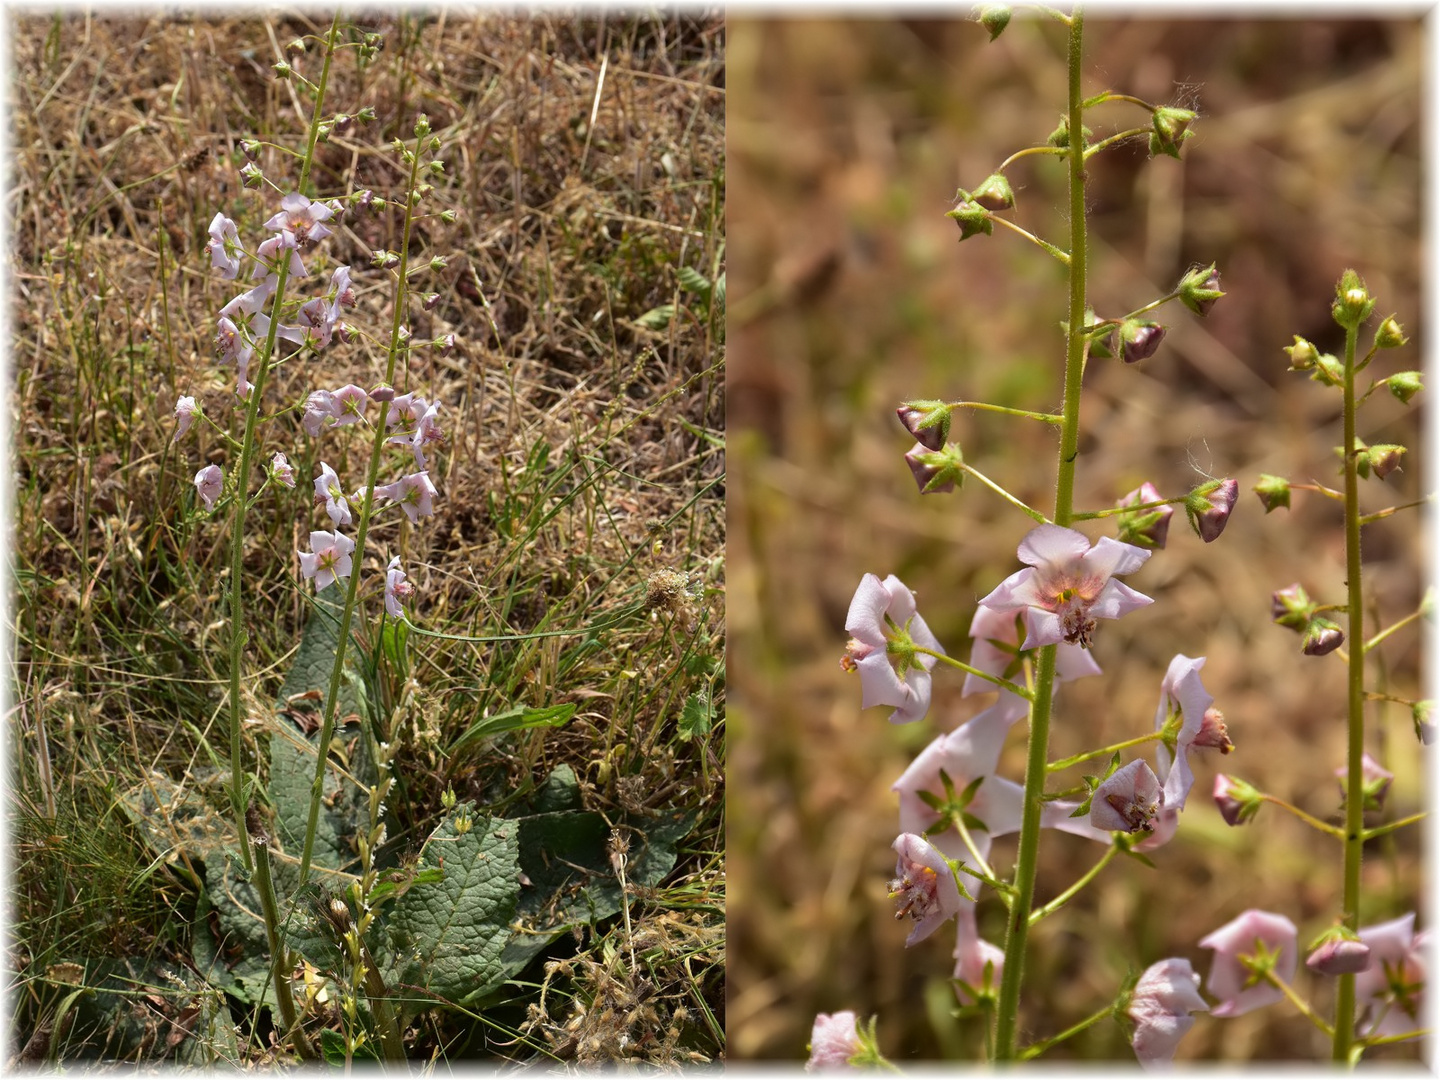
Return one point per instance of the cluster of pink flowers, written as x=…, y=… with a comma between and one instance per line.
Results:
x=242, y=327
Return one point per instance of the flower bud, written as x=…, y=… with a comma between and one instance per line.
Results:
x=1338, y=953
x=422, y=126
x=927, y=420
x=437, y=168
x=384, y=260
x=1321, y=636
x=382, y=392
x=1060, y=137
x=366, y=115
x=363, y=199
x=429, y=301
x=438, y=263
x=1237, y=801
x=1144, y=528
x=1422, y=713
x=1328, y=371
x=1353, y=304
x=445, y=345
x=1292, y=607
x=343, y=122
x=1390, y=335
x=1383, y=458
x=251, y=148
x=448, y=216
x=1208, y=507
x=972, y=219
x=296, y=47
x=346, y=333
x=936, y=471
x=1169, y=128
x=1213, y=732
x=282, y=69
x=1100, y=333
x=1375, y=782
x=1274, y=491
x=281, y=471
x=1405, y=385
x=994, y=194
x=1139, y=338
x=339, y=913
x=994, y=18
x=1199, y=289
x=1302, y=354
x=251, y=176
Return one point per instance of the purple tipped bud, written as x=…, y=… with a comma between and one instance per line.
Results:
x=430, y=300
x=1199, y=289
x=1237, y=801
x=994, y=194
x=1274, y=492
x=446, y=344
x=343, y=122
x=1292, y=607
x=383, y=392
x=1145, y=528
x=1209, y=506
x=364, y=199
x=251, y=148
x=928, y=421
x=346, y=333
x=1139, y=339
x=1339, y=955
x=936, y=471
x=250, y=175
x=1321, y=636
x=1375, y=781
x=1213, y=732
x=1383, y=458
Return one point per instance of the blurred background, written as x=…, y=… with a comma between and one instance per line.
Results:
x=847, y=139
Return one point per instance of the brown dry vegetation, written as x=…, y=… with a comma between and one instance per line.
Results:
x=572, y=423
x=848, y=138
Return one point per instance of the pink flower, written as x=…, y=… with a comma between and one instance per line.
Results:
x=208, y=483
x=882, y=618
x=269, y=254
x=302, y=219
x=414, y=492
x=281, y=471
x=923, y=887
x=997, y=651
x=328, y=558
x=230, y=344
x=1259, y=936
x=185, y=411
x=350, y=402
x=1128, y=801
x=1374, y=781
x=973, y=955
x=1068, y=585
x=427, y=431
x=319, y=412
x=406, y=408
x=320, y=314
x=329, y=492
x=224, y=246
x=833, y=1041
x=1160, y=1006
x=251, y=302
x=1182, y=693
x=1391, y=990
x=397, y=589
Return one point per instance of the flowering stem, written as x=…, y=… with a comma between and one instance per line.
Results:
x=1314, y=822
x=1056, y=151
x=1026, y=860
x=1014, y=688
x=1049, y=248
x=327, y=728
x=238, y=635
x=1036, y=1049
x=1295, y=999
x=1011, y=499
x=1085, y=879
x=1049, y=418
x=1344, y=1031
x=1065, y=763
x=1391, y=826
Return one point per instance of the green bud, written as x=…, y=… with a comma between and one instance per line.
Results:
x=282, y=69
x=422, y=126
x=1170, y=127
x=1421, y=713
x=1353, y=304
x=937, y=471
x=366, y=114
x=1199, y=289
x=1292, y=607
x=1405, y=385
x=1102, y=337
x=994, y=17
x=438, y=263
x=1383, y=458
x=1060, y=137
x=972, y=219
x=994, y=194
x=1274, y=491
x=296, y=46
x=448, y=216
x=250, y=175
x=436, y=167
x=1302, y=354
x=1390, y=335
x=1328, y=371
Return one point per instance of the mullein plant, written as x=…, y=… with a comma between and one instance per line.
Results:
x=278, y=307
x=1041, y=627
x=1378, y=970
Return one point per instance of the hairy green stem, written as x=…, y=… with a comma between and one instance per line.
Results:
x=279, y=962
x=238, y=635
x=1026, y=859
x=1344, y=1031
x=332, y=695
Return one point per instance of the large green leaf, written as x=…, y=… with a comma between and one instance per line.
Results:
x=447, y=936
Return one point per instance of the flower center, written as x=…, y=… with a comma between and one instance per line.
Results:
x=915, y=892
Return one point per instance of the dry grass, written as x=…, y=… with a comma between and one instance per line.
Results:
x=577, y=418
x=849, y=138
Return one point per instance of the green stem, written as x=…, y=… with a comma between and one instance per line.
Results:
x=1344, y=1030
x=1036, y=1049
x=1118, y=137
x=1054, y=151
x=279, y=965
x=238, y=635
x=1065, y=763
x=1391, y=826
x=327, y=728
x=1383, y=634
x=1026, y=858
x=1085, y=879
x=1030, y=511
x=1295, y=999
x=1045, y=245
x=985, y=406
x=1381, y=515
x=1014, y=688
x=1313, y=822
x=1094, y=515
